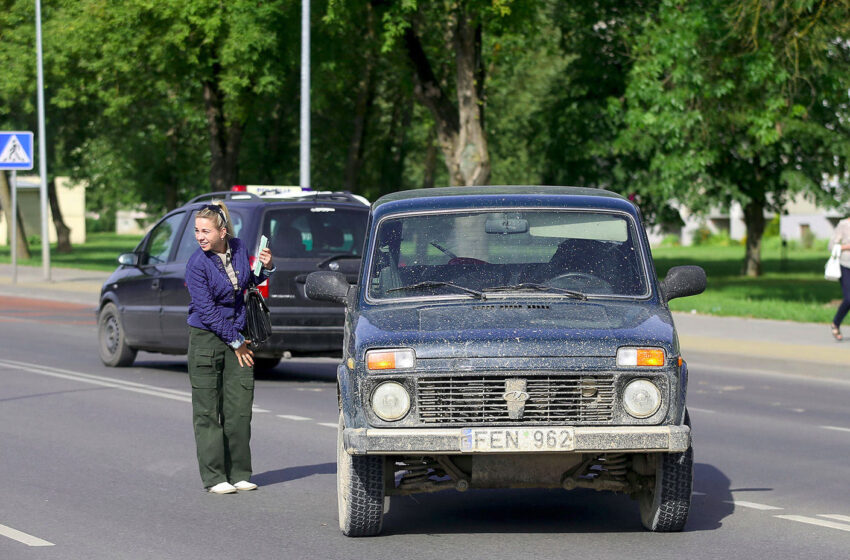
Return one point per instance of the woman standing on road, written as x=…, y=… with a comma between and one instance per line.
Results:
x=841, y=237
x=221, y=365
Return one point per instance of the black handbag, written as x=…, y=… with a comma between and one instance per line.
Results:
x=258, y=323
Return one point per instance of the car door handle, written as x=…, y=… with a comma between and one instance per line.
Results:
x=155, y=284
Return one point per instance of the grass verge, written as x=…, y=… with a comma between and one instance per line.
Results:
x=99, y=252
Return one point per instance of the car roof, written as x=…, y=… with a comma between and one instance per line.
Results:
x=501, y=196
x=238, y=199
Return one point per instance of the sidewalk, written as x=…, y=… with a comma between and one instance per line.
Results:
x=761, y=343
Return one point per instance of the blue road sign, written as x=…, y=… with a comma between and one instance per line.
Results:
x=15, y=150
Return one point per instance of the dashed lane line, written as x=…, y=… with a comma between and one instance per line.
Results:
x=293, y=417
x=110, y=382
x=328, y=425
x=751, y=505
x=836, y=428
x=22, y=537
x=835, y=516
x=703, y=410
x=816, y=521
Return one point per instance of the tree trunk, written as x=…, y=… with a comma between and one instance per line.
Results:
x=460, y=130
x=6, y=203
x=430, y=161
x=362, y=108
x=225, y=140
x=63, y=232
x=754, y=220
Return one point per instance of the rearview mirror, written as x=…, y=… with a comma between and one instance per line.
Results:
x=683, y=281
x=325, y=285
x=129, y=259
x=506, y=225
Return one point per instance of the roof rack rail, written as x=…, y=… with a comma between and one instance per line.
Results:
x=226, y=195
x=335, y=195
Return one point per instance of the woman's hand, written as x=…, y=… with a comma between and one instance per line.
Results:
x=245, y=355
x=266, y=258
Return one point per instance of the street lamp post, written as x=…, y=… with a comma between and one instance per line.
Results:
x=305, y=95
x=42, y=141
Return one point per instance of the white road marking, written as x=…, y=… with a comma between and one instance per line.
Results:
x=835, y=516
x=698, y=493
x=752, y=505
x=22, y=537
x=815, y=521
x=836, y=428
x=152, y=390
x=293, y=417
x=703, y=410
x=316, y=390
x=328, y=424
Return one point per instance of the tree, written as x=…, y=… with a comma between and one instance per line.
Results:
x=739, y=101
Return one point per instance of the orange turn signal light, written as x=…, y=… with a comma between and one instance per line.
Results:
x=380, y=360
x=650, y=357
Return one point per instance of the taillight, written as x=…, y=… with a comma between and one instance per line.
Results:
x=263, y=287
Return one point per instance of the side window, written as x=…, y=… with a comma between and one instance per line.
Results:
x=188, y=244
x=161, y=239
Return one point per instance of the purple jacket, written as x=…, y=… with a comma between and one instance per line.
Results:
x=215, y=306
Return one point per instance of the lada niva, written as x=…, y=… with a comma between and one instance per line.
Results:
x=510, y=337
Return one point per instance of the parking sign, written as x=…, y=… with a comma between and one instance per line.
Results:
x=16, y=150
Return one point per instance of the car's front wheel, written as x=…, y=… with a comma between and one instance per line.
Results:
x=114, y=350
x=664, y=507
x=360, y=491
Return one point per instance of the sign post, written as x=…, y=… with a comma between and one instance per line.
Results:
x=15, y=153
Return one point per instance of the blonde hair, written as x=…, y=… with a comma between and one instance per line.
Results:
x=220, y=216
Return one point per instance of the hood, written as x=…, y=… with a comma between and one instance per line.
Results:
x=516, y=328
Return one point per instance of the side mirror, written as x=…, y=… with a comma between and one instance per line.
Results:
x=129, y=259
x=683, y=281
x=325, y=285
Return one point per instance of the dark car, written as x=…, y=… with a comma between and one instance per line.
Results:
x=510, y=337
x=144, y=303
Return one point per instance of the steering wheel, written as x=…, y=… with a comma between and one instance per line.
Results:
x=578, y=280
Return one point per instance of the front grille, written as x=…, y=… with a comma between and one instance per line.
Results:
x=551, y=399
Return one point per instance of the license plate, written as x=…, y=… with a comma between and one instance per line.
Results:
x=516, y=439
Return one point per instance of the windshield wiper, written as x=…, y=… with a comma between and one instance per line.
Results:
x=537, y=288
x=434, y=284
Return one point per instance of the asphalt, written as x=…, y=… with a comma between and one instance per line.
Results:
x=732, y=342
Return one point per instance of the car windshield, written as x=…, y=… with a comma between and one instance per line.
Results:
x=315, y=232
x=562, y=253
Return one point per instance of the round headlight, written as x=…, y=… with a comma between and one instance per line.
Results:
x=641, y=398
x=390, y=401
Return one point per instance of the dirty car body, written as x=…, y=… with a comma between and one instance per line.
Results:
x=510, y=337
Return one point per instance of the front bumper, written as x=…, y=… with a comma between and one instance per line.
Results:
x=570, y=439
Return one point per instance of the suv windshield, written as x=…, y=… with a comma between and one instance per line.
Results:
x=315, y=232
x=585, y=253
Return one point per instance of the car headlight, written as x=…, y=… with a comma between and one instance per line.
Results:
x=641, y=398
x=390, y=401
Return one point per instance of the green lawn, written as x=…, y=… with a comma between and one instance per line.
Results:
x=100, y=252
x=791, y=287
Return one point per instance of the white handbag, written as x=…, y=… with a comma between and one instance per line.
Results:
x=832, y=271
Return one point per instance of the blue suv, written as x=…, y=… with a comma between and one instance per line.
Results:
x=144, y=303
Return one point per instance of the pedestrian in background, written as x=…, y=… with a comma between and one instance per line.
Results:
x=221, y=363
x=841, y=237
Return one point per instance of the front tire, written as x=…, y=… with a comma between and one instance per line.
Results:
x=114, y=350
x=360, y=491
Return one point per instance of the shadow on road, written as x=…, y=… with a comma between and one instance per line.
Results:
x=292, y=473
x=548, y=511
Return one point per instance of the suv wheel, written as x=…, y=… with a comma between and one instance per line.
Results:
x=114, y=350
x=665, y=507
x=360, y=491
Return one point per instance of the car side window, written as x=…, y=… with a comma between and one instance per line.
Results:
x=161, y=239
x=188, y=244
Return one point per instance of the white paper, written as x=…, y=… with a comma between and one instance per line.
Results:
x=264, y=241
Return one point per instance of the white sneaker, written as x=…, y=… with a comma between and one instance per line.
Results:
x=245, y=485
x=222, y=488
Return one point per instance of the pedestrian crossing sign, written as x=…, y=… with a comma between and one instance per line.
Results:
x=15, y=150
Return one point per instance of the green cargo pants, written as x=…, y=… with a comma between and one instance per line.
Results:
x=222, y=397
